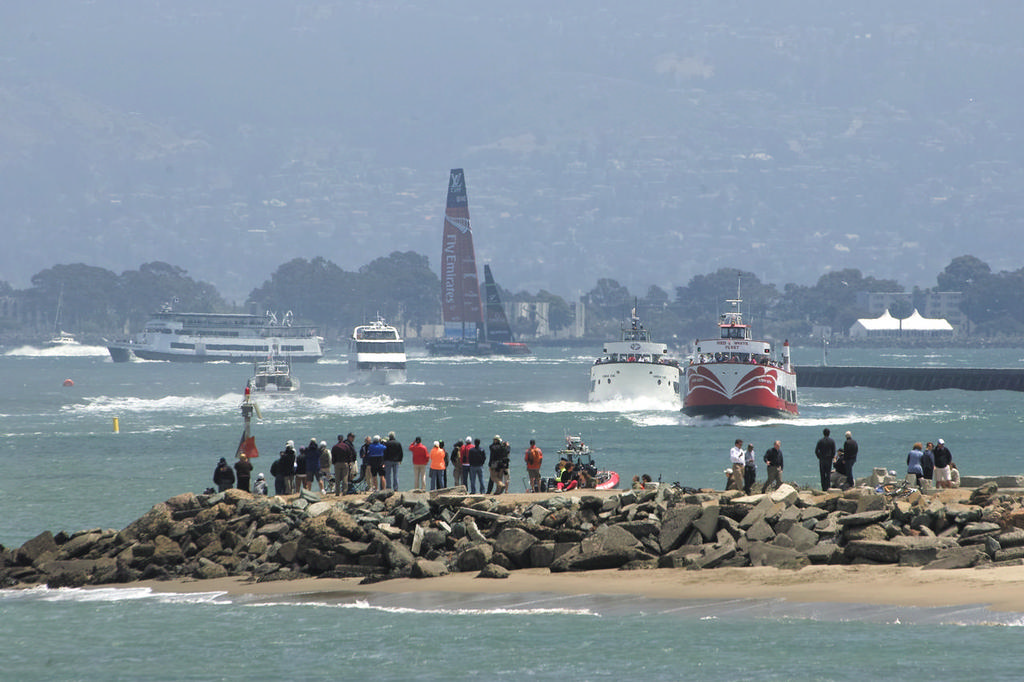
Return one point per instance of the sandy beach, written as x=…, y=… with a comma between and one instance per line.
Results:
x=1001, y=589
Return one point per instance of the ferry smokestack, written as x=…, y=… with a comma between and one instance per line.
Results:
x=785, y=355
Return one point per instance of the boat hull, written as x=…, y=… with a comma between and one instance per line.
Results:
x=739, y=390
x=125, y=353
x=628, y=380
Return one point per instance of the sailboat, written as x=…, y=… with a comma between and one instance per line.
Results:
x=60, y=338
x=460, y=287
x=497, y=331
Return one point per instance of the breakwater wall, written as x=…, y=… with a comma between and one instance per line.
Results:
x=912, y=378
x=421, y=535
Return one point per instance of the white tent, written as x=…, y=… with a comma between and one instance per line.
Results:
x=915, y=326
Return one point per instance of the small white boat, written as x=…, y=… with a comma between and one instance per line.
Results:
x=273, y=376
x=377, y=353
x=60, y=338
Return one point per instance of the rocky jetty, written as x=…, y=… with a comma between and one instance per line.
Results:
x=417, y=534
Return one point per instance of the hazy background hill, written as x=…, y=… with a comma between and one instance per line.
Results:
x=648, y=142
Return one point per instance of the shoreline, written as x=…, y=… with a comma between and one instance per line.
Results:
x=999, y=589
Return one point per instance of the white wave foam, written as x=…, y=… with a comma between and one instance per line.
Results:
x=363, y=605
x=58, y=352
x=109, y=594
x=190, y=405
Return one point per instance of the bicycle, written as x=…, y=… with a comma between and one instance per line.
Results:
x=894, y=490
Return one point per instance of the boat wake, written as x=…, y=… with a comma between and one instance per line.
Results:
x=627, y=406
x=58, y=352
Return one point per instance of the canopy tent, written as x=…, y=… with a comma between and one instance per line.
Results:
x=885, y=325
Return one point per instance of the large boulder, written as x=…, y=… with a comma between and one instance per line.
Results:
x=157, y=521
x=422, y=568
x=675, y=524
x=515, y=543
x=474, y=557
x=34, y=549
x=608, y=547
x=880, y=551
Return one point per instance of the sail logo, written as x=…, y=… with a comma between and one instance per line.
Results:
x=460, y=224
x=457, y=183
x=449, y=268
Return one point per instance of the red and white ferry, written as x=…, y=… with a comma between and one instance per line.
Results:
x=737, y=376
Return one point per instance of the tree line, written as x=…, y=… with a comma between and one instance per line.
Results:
x=403, y=289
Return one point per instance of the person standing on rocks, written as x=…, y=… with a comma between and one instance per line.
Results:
x=223, y=476
x=393, y=454
x=455, y=459
x=464, y=460
x=773, y=458
x=736, y=458
x=420, y=460
x=375, y=463
x=914, y=458
x=477, y=460
x=927, y=461
x=342, y=456
x=534, y=457
x=498, y=466
x=437, y=466
x=243, y=469
x=825, y=451
x=943, y=459
x=850, y=449
x=749, y=468
x=283, y=470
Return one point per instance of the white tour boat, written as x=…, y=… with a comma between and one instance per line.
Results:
x=634, y=367
x=377, y=353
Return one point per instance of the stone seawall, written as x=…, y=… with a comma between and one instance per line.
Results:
x=912, y=378
x=417, y=534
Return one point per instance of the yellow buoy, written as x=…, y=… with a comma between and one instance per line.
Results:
x=117, y=427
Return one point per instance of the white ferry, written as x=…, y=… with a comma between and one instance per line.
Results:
x=377, y=353
x=634, y=367
x=206, y=337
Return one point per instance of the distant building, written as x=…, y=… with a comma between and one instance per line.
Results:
x=913, y=327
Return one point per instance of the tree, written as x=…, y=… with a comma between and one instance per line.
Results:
x=316, y=290
x=157, y=283
x=961, y=272
x=403, y=288
x=90, y=295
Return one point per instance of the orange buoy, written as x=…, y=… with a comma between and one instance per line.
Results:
x=69, y=382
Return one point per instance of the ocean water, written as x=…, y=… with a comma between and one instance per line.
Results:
x=64, y=468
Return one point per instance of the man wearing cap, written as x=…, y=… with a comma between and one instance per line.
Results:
x=943, y=458
x=498, y=465
x=223, y=476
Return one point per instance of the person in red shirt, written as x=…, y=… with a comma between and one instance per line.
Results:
x=420, y=459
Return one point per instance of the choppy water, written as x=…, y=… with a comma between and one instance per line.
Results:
x=63, y=468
